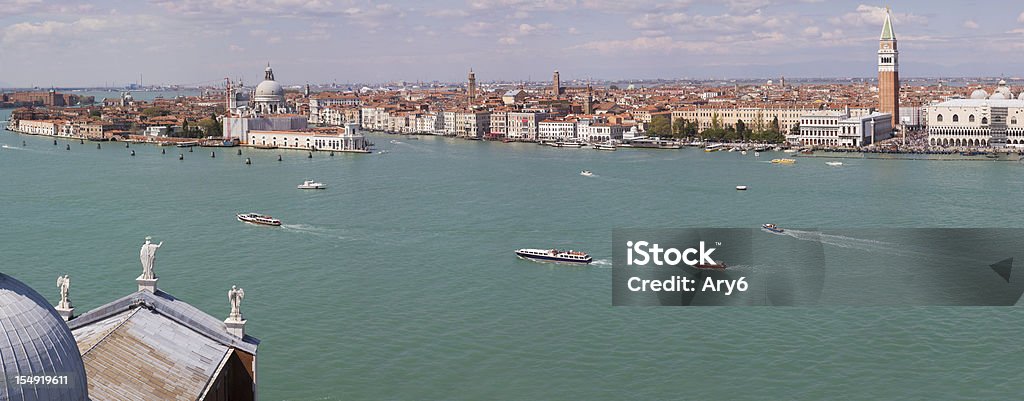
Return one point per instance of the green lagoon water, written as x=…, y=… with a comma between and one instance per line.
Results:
x=399, y=282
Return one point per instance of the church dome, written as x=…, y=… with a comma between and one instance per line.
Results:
x=269, y=90
x=1020, y=96
x=979, y=94
x=997, y=96
x=37, y=343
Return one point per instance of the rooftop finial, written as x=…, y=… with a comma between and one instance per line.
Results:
x=235, y=323
x=147, y=255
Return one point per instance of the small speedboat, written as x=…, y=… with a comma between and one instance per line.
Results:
x=773, y=228
x=834, y=163
x=586, y=173
x=554, y=255
x=741, y=187
x=255, y=218
x=783, y=161
x=310, y=184
x=712, y=266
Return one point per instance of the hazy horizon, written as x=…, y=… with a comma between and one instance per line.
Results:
x=196, y=42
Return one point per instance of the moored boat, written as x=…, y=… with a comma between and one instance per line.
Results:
x=256, y=218
x=773, y=228
x=604, y=146
x=554, y=255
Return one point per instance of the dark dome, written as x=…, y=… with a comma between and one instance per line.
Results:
x=37, y=342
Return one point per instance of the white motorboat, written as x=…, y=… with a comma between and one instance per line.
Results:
x=255, y=218
x=604, y=146
x=586, y=173
x=834, y=163
x=310, y=184
x=741, y=187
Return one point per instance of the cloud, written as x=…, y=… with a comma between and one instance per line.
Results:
x=271, y=7
x=970, y=24
x=447, y=13
x=866, y=15
x=661, y=44
x=236, y=49
x=1020, y=18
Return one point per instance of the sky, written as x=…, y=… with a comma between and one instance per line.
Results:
x=194, y=42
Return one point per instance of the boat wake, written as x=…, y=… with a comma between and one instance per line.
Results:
x=842, y=241
x=5, y=146
x=602, y=263
x=311, y=230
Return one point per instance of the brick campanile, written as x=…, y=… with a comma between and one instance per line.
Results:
x=888, y=72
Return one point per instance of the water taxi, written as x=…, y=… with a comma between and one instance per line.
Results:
x=773, y=228
x=554, y=255
x=714, y=148
x=586, y=173
x=712, y=266
x=310, y=184
x=255, y=218
x=834, y=163
x=783, y=161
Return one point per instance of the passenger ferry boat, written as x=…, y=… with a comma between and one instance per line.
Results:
x=605, y=146
x=255, y=218
x=310, y=184
x=773, y=228
x=554, y=255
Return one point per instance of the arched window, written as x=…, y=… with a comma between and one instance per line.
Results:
x=984, y=121
x=956, y=118
x=1013, y=121
x=970, y=118
x=938, y=118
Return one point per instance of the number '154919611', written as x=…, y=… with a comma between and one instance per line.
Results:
x=40, y=380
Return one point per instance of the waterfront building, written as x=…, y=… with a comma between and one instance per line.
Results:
x=604, y=132
x=499, y=124
x=472, y=124
x=838, y=128
x=888, y=71
x=522, y=126
x=335, y=139
x=560, y=129
x=978, y=122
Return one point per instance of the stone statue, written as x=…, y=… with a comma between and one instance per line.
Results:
x=148, y=255
x=235, y=296
x=63, y=285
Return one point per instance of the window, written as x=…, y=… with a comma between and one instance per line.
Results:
x=956, y=118
x=938, y=118
x=984, y=121
x=1013, y=121
x=970, y=118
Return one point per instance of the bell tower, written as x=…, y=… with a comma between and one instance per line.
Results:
x=888, y=72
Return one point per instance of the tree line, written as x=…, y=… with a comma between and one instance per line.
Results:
x=661, y=125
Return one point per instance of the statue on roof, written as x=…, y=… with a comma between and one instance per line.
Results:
x=63, y=285
x=148, y=256
x=235, y=296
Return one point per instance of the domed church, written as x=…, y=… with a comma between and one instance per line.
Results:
x=268, y=98
x=37, y=343
x=147, y=345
